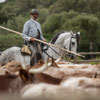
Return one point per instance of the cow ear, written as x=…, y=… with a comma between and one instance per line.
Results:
x=78, y=33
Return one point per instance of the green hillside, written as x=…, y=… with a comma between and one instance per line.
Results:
x=55, y=16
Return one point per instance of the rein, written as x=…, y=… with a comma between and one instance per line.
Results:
x=52, y=49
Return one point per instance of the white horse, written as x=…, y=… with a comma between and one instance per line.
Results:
x=67, y=40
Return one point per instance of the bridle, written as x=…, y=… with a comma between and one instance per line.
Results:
x=77, y=37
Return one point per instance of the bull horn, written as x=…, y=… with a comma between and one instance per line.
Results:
x=41, y=69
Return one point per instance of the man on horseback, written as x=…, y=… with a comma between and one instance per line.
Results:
x=31, y=30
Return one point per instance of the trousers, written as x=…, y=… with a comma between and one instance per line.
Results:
x=36, y=50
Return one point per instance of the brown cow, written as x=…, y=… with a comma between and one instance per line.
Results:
x=10, y=80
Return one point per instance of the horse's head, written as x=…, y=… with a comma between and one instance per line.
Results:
x=72, y=43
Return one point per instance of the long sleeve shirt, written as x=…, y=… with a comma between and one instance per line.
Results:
x=30, y=29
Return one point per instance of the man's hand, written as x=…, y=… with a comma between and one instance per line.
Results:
x=32, y=39
x=44, y=40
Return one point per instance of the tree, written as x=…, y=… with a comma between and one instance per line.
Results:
x=88, y=6
x=89, y=27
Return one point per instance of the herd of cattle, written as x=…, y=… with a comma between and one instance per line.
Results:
x=55, y=81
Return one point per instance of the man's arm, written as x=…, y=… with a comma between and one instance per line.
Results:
x=25, y=32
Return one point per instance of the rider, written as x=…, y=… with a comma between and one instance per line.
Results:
x=31, y=30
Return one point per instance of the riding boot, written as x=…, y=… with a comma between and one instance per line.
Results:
x=35, y=59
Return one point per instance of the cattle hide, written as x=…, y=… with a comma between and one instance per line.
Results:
x=66, y=88
x=82, y=83
x=44, y=91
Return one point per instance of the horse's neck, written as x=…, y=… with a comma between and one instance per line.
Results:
x=59, y=42
x=63, y=37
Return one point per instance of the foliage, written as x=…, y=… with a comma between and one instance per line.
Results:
x=89, y=6
x=88, y=25
x=10, y=40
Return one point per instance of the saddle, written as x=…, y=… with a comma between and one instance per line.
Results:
x=25, y=50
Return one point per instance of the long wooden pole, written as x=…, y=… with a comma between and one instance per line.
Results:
x=44, y=42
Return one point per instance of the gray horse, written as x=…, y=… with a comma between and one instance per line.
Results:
x=67, y=40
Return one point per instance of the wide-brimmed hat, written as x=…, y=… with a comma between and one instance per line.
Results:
x=34, y=11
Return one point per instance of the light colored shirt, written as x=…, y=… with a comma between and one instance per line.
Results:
x=30, y=29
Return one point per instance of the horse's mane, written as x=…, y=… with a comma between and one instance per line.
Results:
x=53, y=40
